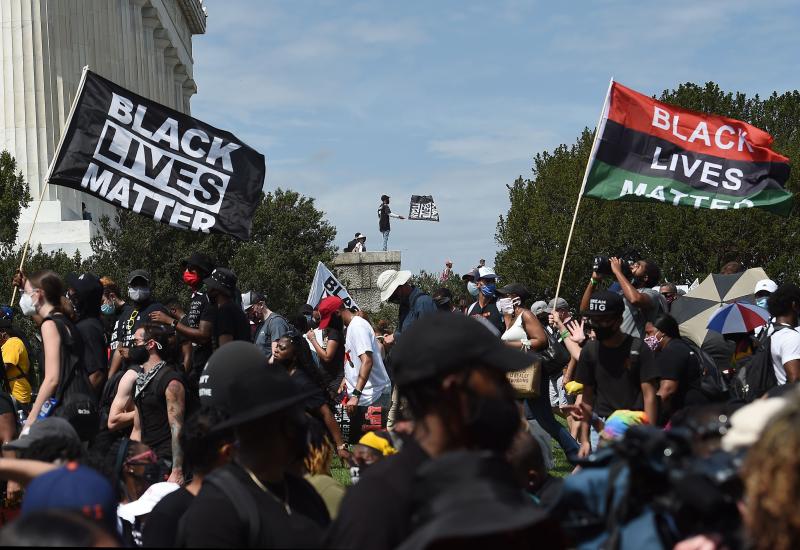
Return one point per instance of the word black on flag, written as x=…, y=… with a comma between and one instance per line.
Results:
x=326, y=284
x=139, y=155
x=423, y=208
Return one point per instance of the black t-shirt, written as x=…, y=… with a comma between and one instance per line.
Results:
x=131, y=317
x=151, y=405
x=677, y=362
x=231, y=320
x=383, y=217
x=161, y=528
x=304, y=382
x=213, y=521
x=488, y=312
x=92, y=332
x=335, y=367
x=200, y=309
x=617, y=383
x=376, y=512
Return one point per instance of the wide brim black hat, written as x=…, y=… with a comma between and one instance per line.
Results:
x=466, y=494
x=444, y=342
x=200, y=260
x=238, y=381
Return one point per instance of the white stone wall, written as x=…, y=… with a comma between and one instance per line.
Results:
x=143, y=45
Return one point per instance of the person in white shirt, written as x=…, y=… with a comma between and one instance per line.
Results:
x=365, y=378
x=784, y=305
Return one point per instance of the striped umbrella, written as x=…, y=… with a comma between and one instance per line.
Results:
x=693, y=310
x=738, y=317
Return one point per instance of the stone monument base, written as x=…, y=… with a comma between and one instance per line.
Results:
x=358, y=272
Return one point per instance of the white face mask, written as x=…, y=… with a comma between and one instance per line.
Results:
x=505, y=305
x=138, y=294
x=472, y=288
x=26, y=304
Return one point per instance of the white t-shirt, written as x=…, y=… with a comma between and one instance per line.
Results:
x=360, y=339
x=785, y=347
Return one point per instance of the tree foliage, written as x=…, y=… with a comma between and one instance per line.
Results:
x=685, y=242
x=289, y=237
x=14, y=196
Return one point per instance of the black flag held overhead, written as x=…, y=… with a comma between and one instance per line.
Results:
x=423, y=208
x=142, y=156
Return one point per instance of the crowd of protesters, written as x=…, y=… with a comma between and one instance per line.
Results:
x=218, y=422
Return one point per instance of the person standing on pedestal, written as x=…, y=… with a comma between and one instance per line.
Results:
x=384, y=213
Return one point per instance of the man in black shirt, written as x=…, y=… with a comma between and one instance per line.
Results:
x=452, y=372
x=198, y=325
x=615, y=369
x=133, y=314
x=486, y=305
x=384, y=213
x=86, y=294
x=230, y=323
x=255, y=501
x=160, y=398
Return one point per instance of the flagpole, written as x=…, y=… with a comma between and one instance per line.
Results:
x=583, y=187
x=49, y=171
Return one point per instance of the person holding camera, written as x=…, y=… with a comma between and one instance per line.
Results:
x=642, y=303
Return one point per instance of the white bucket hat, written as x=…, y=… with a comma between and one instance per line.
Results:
x=389, y=280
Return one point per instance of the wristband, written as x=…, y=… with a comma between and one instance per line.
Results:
x=593, y=281
x=356, y=392
x=565, y=334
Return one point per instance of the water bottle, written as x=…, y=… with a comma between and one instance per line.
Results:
x=47, y=407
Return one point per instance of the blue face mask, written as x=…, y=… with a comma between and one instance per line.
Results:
x=107, y=309
x=488, y=290
x=762, y=302
x=472, y=288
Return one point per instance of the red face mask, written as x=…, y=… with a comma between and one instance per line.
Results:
x=190, y=278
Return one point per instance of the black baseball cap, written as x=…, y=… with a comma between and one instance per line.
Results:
x=238, y=381
x=444, y=342
x=139, y=274
x=222, y=279
x=201, y=261
x=516, y=289
x=604, y=302
x=471, y=276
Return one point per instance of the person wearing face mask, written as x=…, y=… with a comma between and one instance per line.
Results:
x=231, y=322
x=133, y=315
x=198, y=325
x=486, y=304
x=110, y=308
x=85, y=292
x=452, y=371
x=670, y=293
x=677, y=368
x=273, y=507
x=615, y=369
x=270, y=325
x=331, y=350
x=472, y=288
x=763, y=290
x=414, y=303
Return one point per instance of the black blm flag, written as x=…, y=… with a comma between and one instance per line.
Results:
x=139, y=155
x=423, y=208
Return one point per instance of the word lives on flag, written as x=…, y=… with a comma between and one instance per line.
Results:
x=423, y=208
x=142, y=156
x=326, y=284
x=649, y=151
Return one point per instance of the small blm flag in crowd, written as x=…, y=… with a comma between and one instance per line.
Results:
x=650, y=151
x=423, y=208
x=326, y=284
x=142, y=156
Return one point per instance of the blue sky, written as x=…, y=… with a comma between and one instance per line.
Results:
x=350, y=100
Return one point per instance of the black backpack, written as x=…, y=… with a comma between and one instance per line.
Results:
x=712, y=384
x=555, y=357
x=755, y=374
x=75, y=401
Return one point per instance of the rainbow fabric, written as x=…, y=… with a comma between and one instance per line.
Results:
x=619, y=422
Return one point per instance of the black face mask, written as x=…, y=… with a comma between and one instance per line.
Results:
x=604, y=333
x=493, y=421
x=138, y=355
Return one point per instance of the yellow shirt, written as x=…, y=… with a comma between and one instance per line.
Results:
x=14, y=353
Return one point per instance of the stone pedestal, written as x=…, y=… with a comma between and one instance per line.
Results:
x=358, y=272
x=57, y=227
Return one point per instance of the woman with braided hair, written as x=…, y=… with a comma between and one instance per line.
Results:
x=293, y=354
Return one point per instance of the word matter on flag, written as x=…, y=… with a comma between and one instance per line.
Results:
x=142, y=156
x=423, y=208
x=647, y=150
x=326, y=284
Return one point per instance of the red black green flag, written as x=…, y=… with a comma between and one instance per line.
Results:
x=649, y=151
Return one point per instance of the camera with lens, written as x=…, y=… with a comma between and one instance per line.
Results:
x=629, y=256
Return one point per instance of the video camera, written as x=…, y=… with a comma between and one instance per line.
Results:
x=629, y=256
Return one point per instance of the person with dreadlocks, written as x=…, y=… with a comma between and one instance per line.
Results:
x=292, y=353
x=317, y=463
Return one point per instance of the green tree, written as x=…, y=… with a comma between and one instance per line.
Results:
x=685, y=242
x=290, y=235
x=14, y=196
